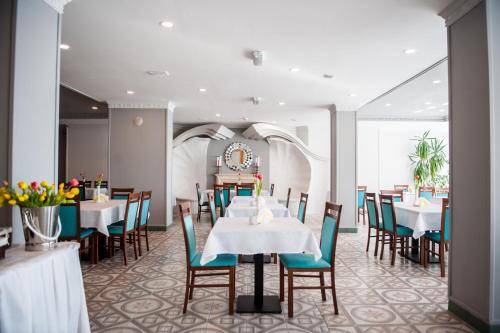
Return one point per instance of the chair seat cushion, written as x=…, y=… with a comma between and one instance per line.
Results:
x=301, y=260
x=404, y=231
x=119, y=223
x=221, y=260
x=86, y=232
x=433, y=236
x=115, y=229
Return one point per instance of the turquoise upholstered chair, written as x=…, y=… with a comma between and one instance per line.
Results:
x=271, y=190
x=223, y=205
x=120, y=193
x=226, y=192
x=201, y=203
x=305, y=263
x=441, y=237
x=397, y=195
x=373, y=221
x=426, y=192
x=361, y=202
x=244, y=190
x=391, y=229
x=442, y=194
x=224, y=263
x=301, y=214
x=69, y=214
x=143, y=219
x=213, y=209
x=128, y=226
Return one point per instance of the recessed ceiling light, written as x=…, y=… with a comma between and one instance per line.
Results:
x=274, y=122
x=445, y=103
x=441, y=110
x=409, y=51
x=130, y=92
x=64, y=46
x=294, y=69
x=418, y=111
x=281, y=103
x=245, y=118
x=95, y=108
x=158, y=73
x=217, y=115
x=167, y=24
x=431, y=107
x=388, y=104
x=353, y=95
x=436, y=81
x=202, y=90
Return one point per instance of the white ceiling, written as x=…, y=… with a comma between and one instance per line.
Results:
x=361, y=43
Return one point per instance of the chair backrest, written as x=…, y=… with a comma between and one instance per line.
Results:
x=198, y=192
x=230, y=186
x=271, y=190
x=188, y=231
x=211, y=206
x=403, y=188
x=121, y=193
x=361, y=196
x=225, y=190
x=144, y=208
x=223, y=202
x=397, y=196
x=301, y=214
x=426, y=192
x=371, y=205
x=131, y=211
x=87, y=183
x=288, y=197
x=244, y=190
x=104, y=183
x=445, y=220
x=81, y=192
x=387, y=210
x=442, y=192
x=69, y=214
x=329, y=231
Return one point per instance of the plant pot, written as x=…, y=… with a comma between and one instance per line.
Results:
x=41, y=227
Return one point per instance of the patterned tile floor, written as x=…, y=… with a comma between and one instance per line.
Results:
x=147, y=295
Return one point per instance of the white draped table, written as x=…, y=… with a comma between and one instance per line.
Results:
x=91, y=193
x=42, y=291
x=245, y=200
x=204, y=194
x=245, y=210
x=100, y=215
x=419, y=219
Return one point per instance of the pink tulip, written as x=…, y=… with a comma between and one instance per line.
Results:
x=73, y=182
x=260, y=176
x=34, y=185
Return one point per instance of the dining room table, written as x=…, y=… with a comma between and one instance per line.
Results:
x=250, y=209
x=232, y=194
x=250, y=200
x=101, y=214
x=236, y=235
x=91, y=192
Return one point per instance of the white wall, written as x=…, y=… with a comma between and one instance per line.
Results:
x=383, y=149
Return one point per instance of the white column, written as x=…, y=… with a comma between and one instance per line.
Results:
x=343, y=165
x=169, y=137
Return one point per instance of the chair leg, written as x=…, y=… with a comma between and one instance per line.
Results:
x=184, y=309
x=376, y=240
x=383, y=245
x=394, y=246
x=123, y=245
x=334, y=293
x=446, y=246
x=199, y=213
x=322, y=284
x=368, y=241
x=282, y=282
x=275, y=257
x=95, y=248
x=364, y=216
x=232, y=287
x=139, y=240
x=441, y=258
x=426, y=249
x=135, y=245
x=193, y=276
x=147, y=239
x=290, y=294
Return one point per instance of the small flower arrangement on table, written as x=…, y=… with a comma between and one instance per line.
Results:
x=258, y=184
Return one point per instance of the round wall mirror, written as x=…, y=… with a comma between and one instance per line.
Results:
x=238, y=156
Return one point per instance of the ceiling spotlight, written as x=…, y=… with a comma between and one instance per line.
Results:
x=217, y=115
x=445, y=103
x=427, y=103
x=203, y=90
x=130, y=92
x=256, y=100
x=281, y=103
x=388, y=104
x=158, y=73
x=245, y=118
x=328, y=76
x=64, y=46
x=353, y=95
x=294, y=69
x=436, y=81
x=95, y=108
x=167, y=24
x=258, y=57
x=418, y=111
x=409, y=51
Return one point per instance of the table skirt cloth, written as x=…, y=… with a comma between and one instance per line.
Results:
x=240, y=200
x=42, y=291
x=100, y=215
x=237, y=210
x=420, y=219
x=238, y=236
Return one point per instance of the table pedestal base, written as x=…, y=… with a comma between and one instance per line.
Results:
x=246, y=304
x=248, y=259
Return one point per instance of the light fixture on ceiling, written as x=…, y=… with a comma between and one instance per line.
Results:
x=445, y=104
x=217, y=115
x=256, y=100
x=409, y=51
x=418, y=111
x=245, y=118
x=203, y=90
x=328, y=76
x=258, y=57
x=167, y=24
x=388, y=104
x=436, y=81
x=281, y=103
x=130, y=92
x=95, y=108
x=432, y=107
x=138, y=121
x=353, y=95
x=64, y=46
x=427, y=103
x=158, y=73
x=294, y=69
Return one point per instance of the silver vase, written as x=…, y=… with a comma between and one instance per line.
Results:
x=41, y=227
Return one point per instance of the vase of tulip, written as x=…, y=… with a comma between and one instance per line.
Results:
x=258, y=191
x=39, y=207
x=98, y=183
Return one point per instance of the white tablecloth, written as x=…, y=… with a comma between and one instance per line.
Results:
x=281, y=235
x=90, y=192
x=42, y=291
x=240, y=210
x=100, y=215
x=248, y=201
x=420, y=219
x=204, y=194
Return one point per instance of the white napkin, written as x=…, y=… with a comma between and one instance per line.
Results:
x=264, y=216
x=421, y=202
x=101, y=198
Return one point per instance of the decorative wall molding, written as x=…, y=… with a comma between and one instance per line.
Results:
x=119, y=105
x=58, y=5
x=213, y=131
x=458, y=8
x=262, y=131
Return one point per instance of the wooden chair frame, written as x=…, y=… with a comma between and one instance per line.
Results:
x=303, y=197
x=372, y=197
x=288, y=197
x=145, y=195
x=401, y=187
x=222, y=189
x=104, y=183
x=442, y=243
x=210, y=199
x=193, y=272
x=362, y=210
x=200, y=206
x=248, y=186
x=121, y=191
x=334, y=211
x=271, y=190
x=431, y=189
x=132, y=197
x=393, y=193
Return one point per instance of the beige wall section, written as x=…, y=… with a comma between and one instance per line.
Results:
x=137, y=157
x=469, y=267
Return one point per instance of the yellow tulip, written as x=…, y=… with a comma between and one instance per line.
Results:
x=12, y=202
x=75, y=190
x=22, y=185
x=70, y=195
x=44, y=184
x=61, y=185
x=6, y=196
x=25, y=197
x=21, y=198
x=42, y=198
x=2, y=200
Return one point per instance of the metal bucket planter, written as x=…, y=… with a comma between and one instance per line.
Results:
x=41, y=227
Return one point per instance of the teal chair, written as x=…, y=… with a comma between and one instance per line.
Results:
x=374, y=222
x=305, y=263
x=69, y=214
x=128, y=226
x=301, y=214
x=361, y=202
x=143, y=219
x=397, y=195
x=223, y=262
x=271, y=190
x=223, y=205
x=201, y=203
x=426, y=192
x=442, y=194
x=244, y=190
x=120, y=193
x=213, y=209
x=391, y=229
x=440, y=238
x=226, y=192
